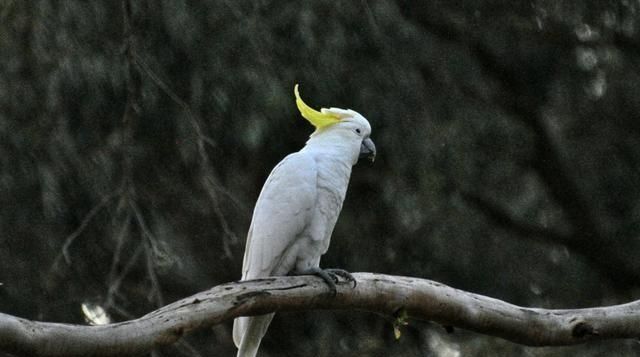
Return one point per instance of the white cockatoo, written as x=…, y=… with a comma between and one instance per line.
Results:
x=298, y=207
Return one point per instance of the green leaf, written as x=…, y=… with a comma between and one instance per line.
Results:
x=402, y=317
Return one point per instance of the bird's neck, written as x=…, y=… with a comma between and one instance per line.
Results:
x=333, y=165
x=335, y=152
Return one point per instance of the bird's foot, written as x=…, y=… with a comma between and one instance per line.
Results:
x=331, y=277
x=348, y=278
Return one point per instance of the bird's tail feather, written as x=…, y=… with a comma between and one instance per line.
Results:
x=248, y=332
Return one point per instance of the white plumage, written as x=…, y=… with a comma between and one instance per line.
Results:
x=298, y=207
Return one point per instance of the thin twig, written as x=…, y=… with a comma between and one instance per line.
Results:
x=155, y=293
x=83, y=225
x=171, y=94
x=151, y=253
x=131, y=106
x=142, y=224
x=228, y=232
x=209, y=182
x=114, y=285
x=120, y=240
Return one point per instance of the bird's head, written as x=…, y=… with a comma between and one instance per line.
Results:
x=340, y=128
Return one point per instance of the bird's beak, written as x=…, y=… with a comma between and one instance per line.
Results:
x=368, y=150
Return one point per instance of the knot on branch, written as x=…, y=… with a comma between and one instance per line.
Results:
x=583, y=329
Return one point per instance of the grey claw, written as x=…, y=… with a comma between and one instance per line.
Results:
x=344, y=274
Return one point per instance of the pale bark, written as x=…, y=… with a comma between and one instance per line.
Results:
x=392, y=295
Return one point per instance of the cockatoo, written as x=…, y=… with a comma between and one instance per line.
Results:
x=298, y=207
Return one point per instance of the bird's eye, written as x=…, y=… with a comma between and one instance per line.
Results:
x=358, y=131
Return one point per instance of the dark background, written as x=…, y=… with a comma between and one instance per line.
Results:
x=136, y=137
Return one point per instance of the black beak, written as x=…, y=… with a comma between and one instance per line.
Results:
x=368, y=150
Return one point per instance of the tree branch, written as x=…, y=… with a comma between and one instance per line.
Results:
x=416, y=298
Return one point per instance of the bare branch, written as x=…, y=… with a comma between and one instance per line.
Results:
x=114, y=283
x=419, y=299
x=114, y=280
x=132, y=106
x=83, y=225
x=209, y=181
x=152, y=250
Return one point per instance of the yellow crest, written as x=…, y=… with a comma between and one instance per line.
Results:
x=318, y=119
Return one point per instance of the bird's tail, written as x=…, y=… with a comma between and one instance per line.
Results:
x=248, y=332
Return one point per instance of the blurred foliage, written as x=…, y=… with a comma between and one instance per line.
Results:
x=507, y=133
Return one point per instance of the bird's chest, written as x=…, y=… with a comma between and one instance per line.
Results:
x=331, y=188
x=332, y=182
x=318, y=235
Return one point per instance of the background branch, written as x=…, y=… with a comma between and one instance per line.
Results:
x=390, y=295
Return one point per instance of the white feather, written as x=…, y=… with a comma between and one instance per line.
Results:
x=296, y=212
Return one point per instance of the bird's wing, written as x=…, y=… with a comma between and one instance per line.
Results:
x=282, y=212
